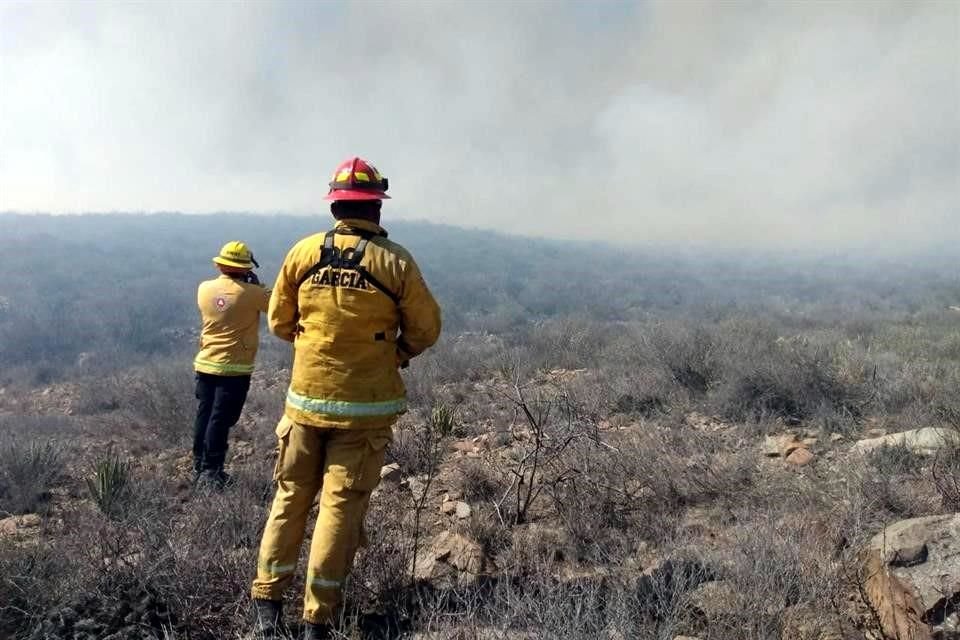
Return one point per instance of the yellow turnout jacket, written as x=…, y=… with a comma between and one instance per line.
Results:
x=353, y=324
x=230, y=312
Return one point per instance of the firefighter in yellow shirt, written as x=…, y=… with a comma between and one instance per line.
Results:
x=357, y=309
x=230, y=308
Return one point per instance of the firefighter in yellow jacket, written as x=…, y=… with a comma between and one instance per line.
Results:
x=230, y=308
x=356, y=308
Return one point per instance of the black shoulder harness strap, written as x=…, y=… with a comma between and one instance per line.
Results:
x=349, y=258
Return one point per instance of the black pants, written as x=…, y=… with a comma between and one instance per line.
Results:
x=221, y=401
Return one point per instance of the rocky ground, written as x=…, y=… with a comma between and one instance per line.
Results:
x=508, y=511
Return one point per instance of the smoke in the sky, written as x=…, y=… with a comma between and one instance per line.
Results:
x=780, y=123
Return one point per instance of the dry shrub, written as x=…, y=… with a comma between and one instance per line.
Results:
x=608, y=495
x=380, y=589
x=896, y=461
x=28, y=470
x=485, y=528
x=567, y=342
x=535, y=548
x=157, y=565
x=413, y=448
x=635, y=382
x=684, y=467
x=159, y=399
x=32, y=581
x=795, y=379
x=477, y=481
x=772, y=567
x=162, y=398
x=945, y=469
x=644, y=392
x=689, y=355
x=95, y=396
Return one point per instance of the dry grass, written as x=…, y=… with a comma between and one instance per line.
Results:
x=604, y=510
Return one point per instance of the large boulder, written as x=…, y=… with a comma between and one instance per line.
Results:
x=926, y=441
x=912, y=576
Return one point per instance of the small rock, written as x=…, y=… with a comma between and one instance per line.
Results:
x=462, y=510
x=448, y=508
x=780, y=446
x=770, y=447
x=926, y=441
x=29, y=520
x=242, y=450
x=463, y=446
x=19, y=524
x=805, y=622
x=717, y=599
x=417, y=487
x=800, y=457
x=836, y=437
x=390, y=472
x=453, y=559
x=809, y=442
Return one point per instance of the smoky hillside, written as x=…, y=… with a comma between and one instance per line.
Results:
x=649, y=444
x=108, y=287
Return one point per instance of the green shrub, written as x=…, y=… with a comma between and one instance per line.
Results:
x=443, y=419
x=109, y=485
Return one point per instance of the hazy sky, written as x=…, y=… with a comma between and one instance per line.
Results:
x=669, y=122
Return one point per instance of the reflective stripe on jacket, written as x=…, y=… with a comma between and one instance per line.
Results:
x=349, y=336
x=230, y=313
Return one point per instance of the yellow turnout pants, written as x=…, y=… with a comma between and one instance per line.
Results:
x=344, y=466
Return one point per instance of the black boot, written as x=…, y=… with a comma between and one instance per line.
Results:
x=269, y=618
x=313, y=631
x=216, y=479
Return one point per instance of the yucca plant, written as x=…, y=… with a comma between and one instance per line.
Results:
x=109, y=484
x=443, y=419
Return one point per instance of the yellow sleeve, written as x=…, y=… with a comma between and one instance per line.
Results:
x=282, y=311
x=200, y=309
x=420, y=321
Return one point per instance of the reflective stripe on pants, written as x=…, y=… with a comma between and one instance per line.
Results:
x=344, y=466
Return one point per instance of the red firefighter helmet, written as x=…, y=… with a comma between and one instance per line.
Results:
x=357, y=179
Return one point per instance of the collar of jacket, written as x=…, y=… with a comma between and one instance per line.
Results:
x=348, y=224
